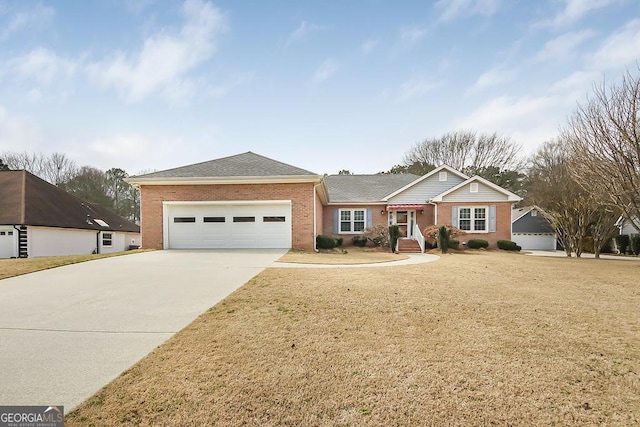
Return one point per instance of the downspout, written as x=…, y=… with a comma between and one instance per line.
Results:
x=315, y=216
x=17, y=241
x=435, y=211
x=98, y=242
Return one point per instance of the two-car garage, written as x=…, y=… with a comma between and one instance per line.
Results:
x=212, y=225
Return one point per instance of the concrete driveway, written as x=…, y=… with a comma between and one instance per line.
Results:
x=66, y=332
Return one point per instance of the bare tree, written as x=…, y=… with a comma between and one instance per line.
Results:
x=562, y=201
x=55, y=168
x=467, y=151
x=573, y=211
x=604, y=137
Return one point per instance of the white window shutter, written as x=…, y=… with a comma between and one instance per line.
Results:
x=454, y=216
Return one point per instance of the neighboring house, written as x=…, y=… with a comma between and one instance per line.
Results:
x=626, y=227
x=251, y=201
x=39, y=219
x=531, y=230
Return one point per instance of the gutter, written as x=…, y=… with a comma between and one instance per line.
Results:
x=435, y=211
x=17, y=241
x=98, y=242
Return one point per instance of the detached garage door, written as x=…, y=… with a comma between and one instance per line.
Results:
x=228, y=225
x=535, y=241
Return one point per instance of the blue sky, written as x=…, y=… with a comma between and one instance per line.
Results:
x=324, y=85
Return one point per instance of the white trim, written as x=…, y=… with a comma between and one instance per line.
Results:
x=423, y=177
x=511, y=197
x=352, y=220
x=473, y=218
x=525, y=211
x=225, y=202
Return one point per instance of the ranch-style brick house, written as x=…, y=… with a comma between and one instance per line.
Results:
x=251, y=201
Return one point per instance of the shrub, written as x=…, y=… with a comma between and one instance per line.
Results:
x=622, y=243
x=454, y=244
x=508, y=245
x=477, y=244
x=360, y=240
x=607, y=248
x=339, y=241
x=428, y=245
x=326, y=242
x=443, y=239
x=378, y=235
x=394, y=233
x=587, y=244
x=431, y=233
x=634, y=239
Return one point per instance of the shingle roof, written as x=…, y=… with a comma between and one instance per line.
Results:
x=27, y=199
x=364, y=188
x=241, y=165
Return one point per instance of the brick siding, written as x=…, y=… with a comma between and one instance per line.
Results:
x=503, y=221
x=300, y=194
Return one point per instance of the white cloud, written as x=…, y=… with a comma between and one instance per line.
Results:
x=619, y=49
x=574, y=10
x=35, y=18
x=530, y=120
x=326, y=70
x=43, y=66
x=166, y=58
x=18, y=133
x=494, y=77
x=451, y=9
x=415, y=87
x=302, y=32
x=563, y=46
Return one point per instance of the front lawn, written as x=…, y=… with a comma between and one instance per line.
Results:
x=17, y=266
x=348, y=255
x=482, y=338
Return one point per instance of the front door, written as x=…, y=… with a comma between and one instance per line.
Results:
x=404, y=220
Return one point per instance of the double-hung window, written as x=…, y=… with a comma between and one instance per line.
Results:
x=473, y=219
x=107, y=239
x=352, y=220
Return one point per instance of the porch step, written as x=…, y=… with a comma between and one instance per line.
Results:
x=408, y=246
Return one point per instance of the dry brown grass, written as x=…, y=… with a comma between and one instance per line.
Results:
x=350, y=255
x=473, y=339
x=19, y=266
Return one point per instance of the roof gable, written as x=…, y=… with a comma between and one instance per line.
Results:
x=431, y=186
x=488, y=195
x=30, y=200
x=238, y=166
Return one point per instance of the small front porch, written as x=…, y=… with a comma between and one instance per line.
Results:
x=408, y=219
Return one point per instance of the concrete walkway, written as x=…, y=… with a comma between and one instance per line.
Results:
x=562, y=254
x=413, y=259
x=67, y=332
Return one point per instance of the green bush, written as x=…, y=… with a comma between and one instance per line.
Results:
x=607, y=248
x=635, y=243
x=326, y=242
x=428, y=245
x=477, y=244
x=454, y=244
x=360, y=241
x=622, y=243
x=394, y=233
x=508, y=245
x=443, y=239
x=339, y=241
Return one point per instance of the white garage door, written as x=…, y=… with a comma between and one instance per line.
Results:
x=209, y=226
x=535, y=241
